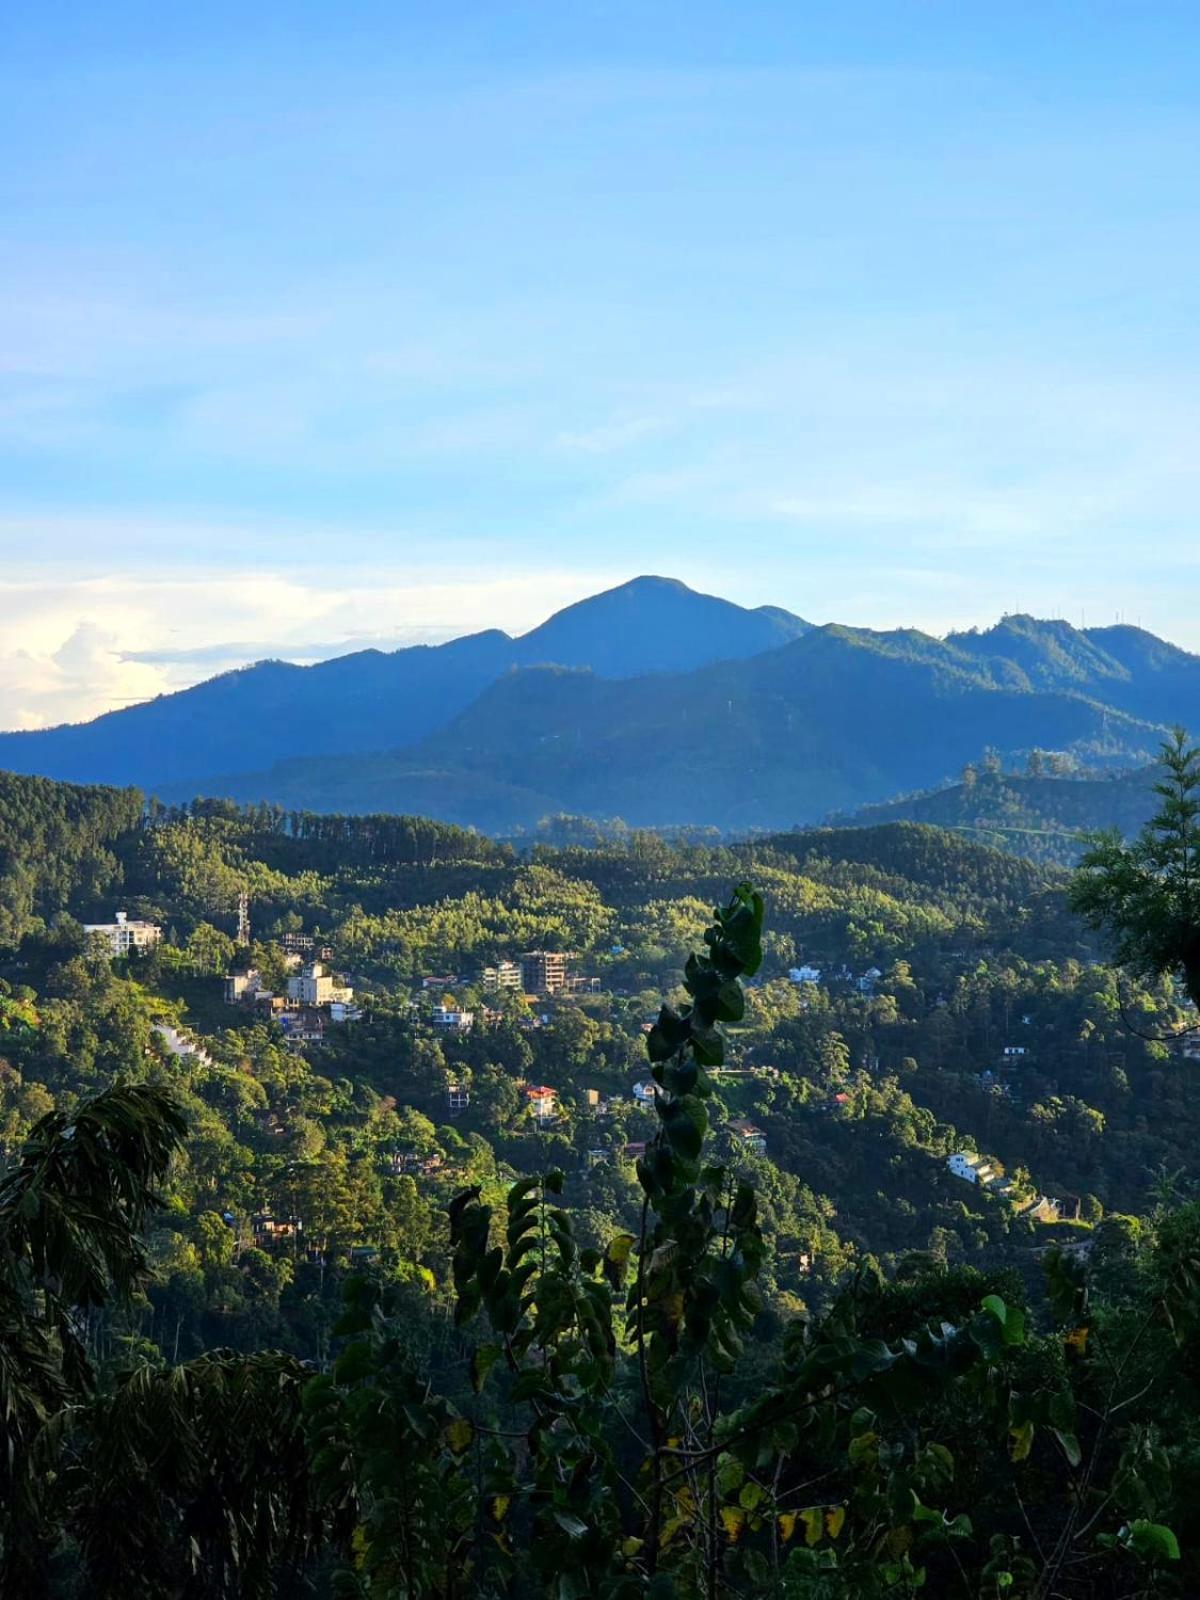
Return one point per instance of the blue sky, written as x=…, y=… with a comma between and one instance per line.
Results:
x=381, y=322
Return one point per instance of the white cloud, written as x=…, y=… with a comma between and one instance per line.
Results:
x=83, y=675
x=78, y=647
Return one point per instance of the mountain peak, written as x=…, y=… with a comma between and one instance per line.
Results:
x=655, y=624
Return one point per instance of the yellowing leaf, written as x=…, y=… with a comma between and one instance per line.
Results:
x=459, y=1434
x=500, y=1505
x=835, y=1516
x=359, y=1544
x=733, y=1520
x=630, y=1547
x=1022, y=1440
x=1076, y=1340
x=814, y=1524
x=787, y=1525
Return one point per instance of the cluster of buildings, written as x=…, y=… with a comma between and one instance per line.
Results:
x=313, y=997
x=865, y=982
x=538, y=975
x=540, y=1098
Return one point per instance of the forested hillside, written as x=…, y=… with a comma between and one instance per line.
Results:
x=1035, y=814
x=923, y=958
x=916, y=997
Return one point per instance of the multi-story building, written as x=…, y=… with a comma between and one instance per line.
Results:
x=543, y=1101
x=314, y=985
x=125, y=934
x=241, y=986
x=543, y=971
x=452, y=1019
x=504, y=975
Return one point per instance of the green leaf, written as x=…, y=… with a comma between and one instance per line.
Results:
x=1070, y=1446
x=482, y=1362
x=1152, y=1541
x=685, y=1122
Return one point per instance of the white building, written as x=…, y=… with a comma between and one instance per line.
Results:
x=124, y=935
x=453, y=1021
x=543, y=1101
x=314, y=985
x=643, y=1092
x=970, y=1167
x=805, y=974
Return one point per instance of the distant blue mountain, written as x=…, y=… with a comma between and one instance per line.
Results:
x=836, y=718
x=375, y=700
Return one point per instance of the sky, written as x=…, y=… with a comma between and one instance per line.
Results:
x=323, y=326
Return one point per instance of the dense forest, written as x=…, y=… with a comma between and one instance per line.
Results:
x=1044, y=812
x=465, y=1232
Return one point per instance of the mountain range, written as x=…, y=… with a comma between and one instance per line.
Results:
x=649, y=702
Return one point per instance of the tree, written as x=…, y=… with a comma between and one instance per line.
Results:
x=1146, y=895
x=70, y=1212
x=185, y=1480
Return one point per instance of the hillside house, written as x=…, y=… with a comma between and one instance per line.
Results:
x=748, y=1137
x=316, y=984
x=542, y=1101
x=805, y=974
x=125, y=934
x=971, y=1168
x=451, y=1020
x=458, y=1098
x=643, y=1093
x=271, y=1230
x=303, y=1026
x=243, y=986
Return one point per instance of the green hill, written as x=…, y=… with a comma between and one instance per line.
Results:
x=1043, y=818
